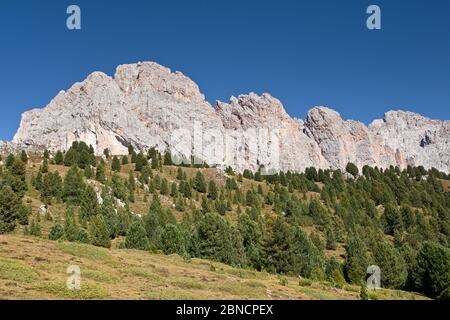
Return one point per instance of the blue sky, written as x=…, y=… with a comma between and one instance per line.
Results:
x=305, y=53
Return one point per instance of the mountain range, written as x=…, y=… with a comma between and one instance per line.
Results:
x=147, y=105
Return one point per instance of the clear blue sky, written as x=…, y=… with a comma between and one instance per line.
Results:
x=305, y=53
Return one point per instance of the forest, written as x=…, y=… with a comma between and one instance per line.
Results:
x=327, y=225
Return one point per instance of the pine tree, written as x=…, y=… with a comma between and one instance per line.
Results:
x=392, y=219
x=56, y=232
x=115, y=166
x=106, y=153
x=59, y=158
x=37, y=182
x=100, y=175
x=212, y=190
x=363, y=294
x=70, y=225
x=124, y=160
x=137, y=236
x=214, y=238
x=152, y=220
x=392, y=264
x=431, y=273
x=141, y=162
x=88, y=172
x=24, y=156
x=168, y=159
x=46, y=154
x=199, y=182
x=35, y=228
x=352, y=169
x=99, y=232
x=17, y=180
x=82, y=236
x=9, y=160
x=44, y=166
x=73, y=186
x=179, y=174
x=173, y=190
x=356, y=261
x=172, y=240
x=131, y=182
x=164, y=187
x=88, y=203
x=305, y=256
x=252, y=240
x=8, y=206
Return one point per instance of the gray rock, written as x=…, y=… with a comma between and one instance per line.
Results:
x=147, y=105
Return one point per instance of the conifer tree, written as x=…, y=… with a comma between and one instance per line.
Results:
x=212, y=190
x=392, y=264
x=100, y=175
x=106, y=153
x=73, y=186
x=431, y=273
x=137, y=236
x=88, y=172
x=56, y=232
x=8, y=206
x=99, y=232
x=115, y=165
x=35, y=228
x=352, y=169
x=59, y=158
x=82, y=236
x=164, y=187
x=172, y=240
x=199, y=182
x=70, y=225
x=24, y=156
x=46, y=154
x=356, y=261
x=173, y=190
x=17, y=179
x=88, y=203
x=9, y=160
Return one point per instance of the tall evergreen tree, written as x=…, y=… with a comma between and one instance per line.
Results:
x=89, y=206
x=115, y=165
x=59, y=158
x=99, y=232
x=73, y=186
x=8, y=209
x=137, y=236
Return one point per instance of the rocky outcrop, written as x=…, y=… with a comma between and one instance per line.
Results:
x=148, y=105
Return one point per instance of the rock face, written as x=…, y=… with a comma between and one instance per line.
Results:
x=147, y=105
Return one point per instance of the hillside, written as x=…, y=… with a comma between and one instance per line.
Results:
x=32, y=268
x=202, y=233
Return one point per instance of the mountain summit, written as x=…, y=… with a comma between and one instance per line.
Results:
x=147, y=105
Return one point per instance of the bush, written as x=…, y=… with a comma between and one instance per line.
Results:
x=137, y=236
x=431, y=274
x=99, y=232
x=57, y=232
x=302, y=282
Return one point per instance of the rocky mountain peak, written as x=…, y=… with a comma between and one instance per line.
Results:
x=147, y=105
x=150, y=76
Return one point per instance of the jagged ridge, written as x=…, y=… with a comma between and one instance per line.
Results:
x=147, y=105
